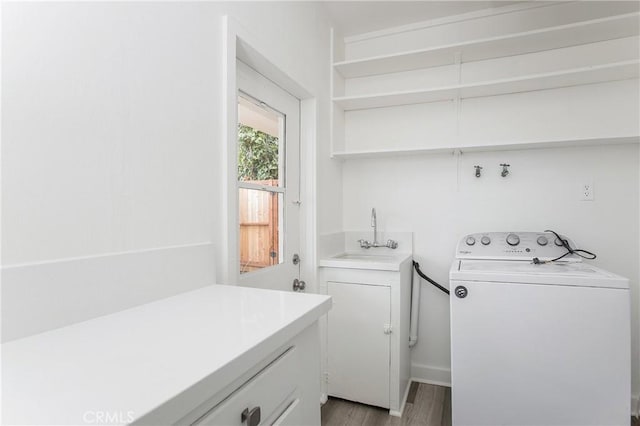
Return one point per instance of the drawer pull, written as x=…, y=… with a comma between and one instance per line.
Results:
x=251, y=417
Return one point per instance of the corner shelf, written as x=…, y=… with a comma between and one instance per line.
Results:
x=500, y=146
x=572, y=77
x=595, y=30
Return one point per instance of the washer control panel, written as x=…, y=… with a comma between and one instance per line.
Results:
x=513, y=246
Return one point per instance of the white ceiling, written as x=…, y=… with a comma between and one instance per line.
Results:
x=357, y=17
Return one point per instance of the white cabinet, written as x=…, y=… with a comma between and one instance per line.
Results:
x=292, y=416
x=211, y=354
x=265, y=396
x=283, y=389
x=367, y=337
x=359, y=340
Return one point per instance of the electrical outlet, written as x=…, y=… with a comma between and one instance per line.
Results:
x=586, y=191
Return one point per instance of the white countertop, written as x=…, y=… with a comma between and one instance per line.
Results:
x=387, y=261
x=132, y=362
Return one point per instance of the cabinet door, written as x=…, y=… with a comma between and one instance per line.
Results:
x=358, y=345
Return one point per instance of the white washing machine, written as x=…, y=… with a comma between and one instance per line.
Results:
x=536, y=344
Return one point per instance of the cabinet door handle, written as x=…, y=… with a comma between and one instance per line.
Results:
x=251, y=417
x=388, y=329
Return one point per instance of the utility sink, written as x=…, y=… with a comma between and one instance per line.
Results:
x=359, y=260
x=367, y=257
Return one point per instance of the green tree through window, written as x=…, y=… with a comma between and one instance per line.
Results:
x=257, y=154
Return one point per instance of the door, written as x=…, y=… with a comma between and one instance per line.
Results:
x=268, y=184
x=524, y=354
x=358, y=342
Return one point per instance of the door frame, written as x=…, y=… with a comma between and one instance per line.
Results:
x=240, y=44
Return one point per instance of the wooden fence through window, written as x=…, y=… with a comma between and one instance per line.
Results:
x=259, y=236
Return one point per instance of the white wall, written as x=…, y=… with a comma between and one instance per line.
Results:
x=104, y=111
x=440, y=200
x=111, y=144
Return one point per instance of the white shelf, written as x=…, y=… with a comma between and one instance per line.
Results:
x=574, y=34
x=500, y=146
x=550, y=80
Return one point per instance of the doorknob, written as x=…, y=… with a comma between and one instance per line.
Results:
x=299, y=285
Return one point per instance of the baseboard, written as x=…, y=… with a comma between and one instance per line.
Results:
x=403, y=403
x=431, y=375
x=635, y=405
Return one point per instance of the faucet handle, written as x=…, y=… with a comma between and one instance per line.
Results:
x=392, y=244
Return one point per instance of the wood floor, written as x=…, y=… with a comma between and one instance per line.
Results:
x=427, y=405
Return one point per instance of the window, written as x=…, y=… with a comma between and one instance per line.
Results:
x=261, y=135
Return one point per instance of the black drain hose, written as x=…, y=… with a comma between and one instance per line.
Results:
x=416, y=265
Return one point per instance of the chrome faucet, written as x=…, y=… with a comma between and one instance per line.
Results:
x=374, y=224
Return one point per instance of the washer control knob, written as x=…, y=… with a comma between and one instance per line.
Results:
x=513, y=240
x=470, y=241
x=542, y=240
x=485, y=240
x=558, y=242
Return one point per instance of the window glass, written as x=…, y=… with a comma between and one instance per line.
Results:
x=260, y=184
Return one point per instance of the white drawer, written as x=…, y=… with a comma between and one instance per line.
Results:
x=292, y=415
x=273, y=391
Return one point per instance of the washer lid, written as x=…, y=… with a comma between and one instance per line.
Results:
x=579, y=274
